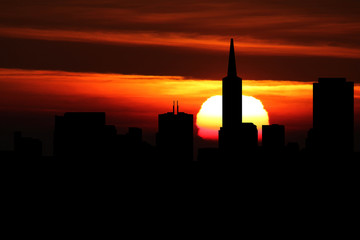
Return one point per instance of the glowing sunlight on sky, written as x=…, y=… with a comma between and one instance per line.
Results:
x=209, y=118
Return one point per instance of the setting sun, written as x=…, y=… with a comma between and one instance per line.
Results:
x=209, y=118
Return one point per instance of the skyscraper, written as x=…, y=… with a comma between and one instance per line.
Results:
x=333, y=115
x=175, y=136
x=27, y=146
x=79, y=134
x=273, y=138
x=229, y=134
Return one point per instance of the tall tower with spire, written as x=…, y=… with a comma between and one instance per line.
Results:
x=229, y=134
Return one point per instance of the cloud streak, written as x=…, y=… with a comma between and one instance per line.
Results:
x=294, y=23
x=323, y=34
x=244, y=44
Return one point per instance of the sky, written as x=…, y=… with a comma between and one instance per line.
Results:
x=275, y=40
x=61, y=52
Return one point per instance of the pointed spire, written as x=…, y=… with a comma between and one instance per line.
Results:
x=232, y=64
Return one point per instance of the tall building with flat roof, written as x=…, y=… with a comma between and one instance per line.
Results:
x=273, y=138
x=249, y=138
x=80, y=134
x=333, y=115
x=175, y=137
x=27, y=146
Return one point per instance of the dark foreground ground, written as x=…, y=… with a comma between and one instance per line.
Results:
x=287, y=198
x=251, y=170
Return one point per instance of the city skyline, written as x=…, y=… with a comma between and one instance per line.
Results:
x=132, y=59
x=86, y=135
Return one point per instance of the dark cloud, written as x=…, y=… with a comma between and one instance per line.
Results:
x=314, y=20
x=151, y=60
x=293, y=23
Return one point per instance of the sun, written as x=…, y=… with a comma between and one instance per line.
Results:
x=209, y=117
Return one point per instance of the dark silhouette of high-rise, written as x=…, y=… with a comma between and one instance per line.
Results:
x=208, y=155
x=248, y=138
x=27, y=146
x=175, y=138
x=229, y=134
x=85, y=134
x=273, y=138
x=333, y=116
x=134, y=135
x=234, y=136
x=131, y=146
x=79, y=134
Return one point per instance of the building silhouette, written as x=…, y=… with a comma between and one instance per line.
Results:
x=130, y=146
x=134, y=135
x=273, y=138
x=229, y=134
x=234, y=135
x=248, y=138
x=27, y=146
x=175, y=137
x=310, y=141
x=292, y=148
x=86, y=135
x=208, y=155
x=333, y=116
x=79, y=134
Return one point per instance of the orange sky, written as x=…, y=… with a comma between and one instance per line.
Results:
x=135, y=100
x=131, y=59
